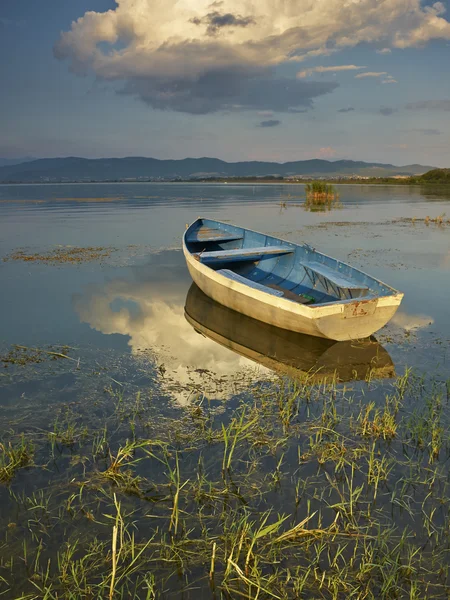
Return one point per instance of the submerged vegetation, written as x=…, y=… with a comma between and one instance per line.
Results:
x=439, y=220
x=22, y=355
x=290, y=490
x=65, y=254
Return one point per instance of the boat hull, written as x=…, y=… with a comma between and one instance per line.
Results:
x=336, y=321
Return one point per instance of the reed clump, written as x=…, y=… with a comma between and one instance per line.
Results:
x=320, y=192
x=321, y=195
x=439, y=220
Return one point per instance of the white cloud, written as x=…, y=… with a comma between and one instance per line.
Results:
x=384, y=51
x=312, y=54
x=173, y=52
x=370, y=74
x=387, y=78
x=332, y=69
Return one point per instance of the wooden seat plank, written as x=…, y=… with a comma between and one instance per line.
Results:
x=242, y=254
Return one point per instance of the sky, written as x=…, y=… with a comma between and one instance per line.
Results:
x=276, y=80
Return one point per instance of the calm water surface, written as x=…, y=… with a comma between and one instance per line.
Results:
x=135, y=298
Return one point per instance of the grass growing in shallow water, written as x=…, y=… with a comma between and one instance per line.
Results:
x=14, y=456
x=292, y=490
x=321, y=196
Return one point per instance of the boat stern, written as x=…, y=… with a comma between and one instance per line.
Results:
x=359, y=319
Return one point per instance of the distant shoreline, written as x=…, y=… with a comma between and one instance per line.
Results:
x=384, y=181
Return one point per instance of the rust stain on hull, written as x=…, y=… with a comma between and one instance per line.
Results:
x=360, y=308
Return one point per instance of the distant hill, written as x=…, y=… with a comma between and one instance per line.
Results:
x=435, y=176
x=139, y=168
x=7, y=162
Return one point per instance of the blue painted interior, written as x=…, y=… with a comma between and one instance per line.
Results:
x=253, y=284
x=302, y=271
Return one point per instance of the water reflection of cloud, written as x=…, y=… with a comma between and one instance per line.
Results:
x=445, y=262
x=411, y=322
x=154, y=322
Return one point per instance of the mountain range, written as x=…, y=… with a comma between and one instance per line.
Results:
x=6, y=162
x=140, y=168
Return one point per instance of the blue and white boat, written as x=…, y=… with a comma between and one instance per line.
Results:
x=292, y=286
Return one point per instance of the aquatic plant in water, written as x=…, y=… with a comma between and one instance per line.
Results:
x=294, y=489
x=320, y=195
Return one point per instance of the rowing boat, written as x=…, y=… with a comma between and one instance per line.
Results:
x=302, y=357
x=287, y=285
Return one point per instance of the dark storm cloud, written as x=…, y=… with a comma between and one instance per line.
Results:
x=216, y=21
x=435, y=105
x=428, y=131
x=270, y=123
x=232, y=90
x=386, y=111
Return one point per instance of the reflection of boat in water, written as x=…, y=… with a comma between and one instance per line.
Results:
x=287, y=352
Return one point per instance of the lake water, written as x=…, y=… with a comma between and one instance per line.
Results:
x=134, y=299
x=83, y=342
